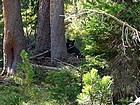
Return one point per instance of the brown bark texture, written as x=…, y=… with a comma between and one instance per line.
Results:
x=43, y=40
x=58, y=44
x=14, y=40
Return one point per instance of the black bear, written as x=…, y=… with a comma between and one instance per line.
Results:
x=72, y=49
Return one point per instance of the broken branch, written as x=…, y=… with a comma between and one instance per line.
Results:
x=102, y=12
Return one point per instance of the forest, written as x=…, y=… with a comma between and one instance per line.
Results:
x=69, y=52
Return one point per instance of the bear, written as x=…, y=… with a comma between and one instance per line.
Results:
x=72, y=49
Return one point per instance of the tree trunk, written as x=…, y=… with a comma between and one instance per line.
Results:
x=43, y=40
x=14, y=40
x=58, y=44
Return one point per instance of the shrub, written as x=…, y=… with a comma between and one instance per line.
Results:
x=96, y=90
x=26, y=71
x=63, y=86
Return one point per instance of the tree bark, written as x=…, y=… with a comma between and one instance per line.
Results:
x=14, y=40
x=58, y=44
x=43, y=40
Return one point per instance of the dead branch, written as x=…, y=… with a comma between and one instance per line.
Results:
x=49, y=67
x=54, y=68
x=60, y=62
x=46, y=67
x=65, y=63
x=119, y=21
x=102, y=12
x=40, y=54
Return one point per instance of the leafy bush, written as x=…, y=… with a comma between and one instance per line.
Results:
x=96, y=90
x=57, y=87
x=63, y=86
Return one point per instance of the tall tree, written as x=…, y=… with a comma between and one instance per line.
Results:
x=14, y=40
x=43, y=40
x=58, y=44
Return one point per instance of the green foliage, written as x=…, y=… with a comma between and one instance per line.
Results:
x=94, y=33
x=96, y=90
x=10, y=94
x=97, y=62
x=13, y=99
x=23, y=95
x=125, y=101
x=130, y=14
x=26, y=71
x=63, y=86
x=55, y=87
x=29, y=16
